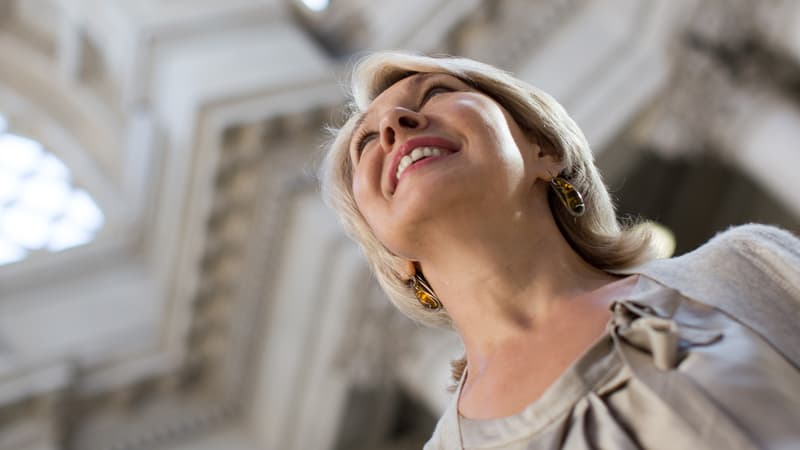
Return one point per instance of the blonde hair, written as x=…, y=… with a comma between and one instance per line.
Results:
x=596, y=236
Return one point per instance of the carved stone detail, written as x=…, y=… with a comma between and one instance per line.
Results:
x=252, y=169
x=724, y=72
x=502, y=32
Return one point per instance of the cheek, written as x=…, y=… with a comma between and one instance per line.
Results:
x=523, y=139
x=359, y=194
x=488, y=123
x=477, y=111
x=377, y=214
x=366, y=179
x=367, y=197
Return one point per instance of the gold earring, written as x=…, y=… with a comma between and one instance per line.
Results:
x=569, y=196
x=424, y=292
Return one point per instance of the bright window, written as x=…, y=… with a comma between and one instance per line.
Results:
x=40, y=209
x=316, y=5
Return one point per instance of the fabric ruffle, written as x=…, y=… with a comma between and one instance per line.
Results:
x=669, y=373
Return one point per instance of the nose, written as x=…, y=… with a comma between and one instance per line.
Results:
x=399, y=121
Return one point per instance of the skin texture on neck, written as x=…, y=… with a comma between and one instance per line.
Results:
x=500, y=282
x=526, y=305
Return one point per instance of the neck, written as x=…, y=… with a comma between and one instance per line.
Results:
x=502, y=282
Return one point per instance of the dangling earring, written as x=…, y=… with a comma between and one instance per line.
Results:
x=424, y=292
x=569, y=196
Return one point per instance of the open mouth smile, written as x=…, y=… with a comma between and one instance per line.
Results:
x=416, y=155
x=416, y=150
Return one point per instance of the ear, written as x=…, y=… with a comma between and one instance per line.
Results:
x=542, y=154
x=410, y=269
x=547, y=164
x=550, y=167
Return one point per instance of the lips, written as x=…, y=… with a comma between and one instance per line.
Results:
x=445, y=146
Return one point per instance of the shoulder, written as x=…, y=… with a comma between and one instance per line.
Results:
x=753, y=241
x=772, y=252
x=750, y=272
x=753, y=256
x=753, y=252
x=758, y=242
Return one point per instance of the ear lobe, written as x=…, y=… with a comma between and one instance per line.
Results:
x=546, y=161
x=543, y=146
x=410, y=269
x=549, y=165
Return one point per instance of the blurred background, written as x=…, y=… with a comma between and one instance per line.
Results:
x=169, y=277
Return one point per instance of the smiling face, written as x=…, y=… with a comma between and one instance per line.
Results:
x=394, y=224
x=430, y=151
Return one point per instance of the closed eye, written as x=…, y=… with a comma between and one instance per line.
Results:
x=433, y=91
x=363, y=138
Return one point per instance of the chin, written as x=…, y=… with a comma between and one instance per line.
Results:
x=406, y=236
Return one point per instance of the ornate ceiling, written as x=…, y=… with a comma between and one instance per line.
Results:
x=221, y=306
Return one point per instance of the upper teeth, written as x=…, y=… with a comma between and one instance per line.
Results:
x=416, y=155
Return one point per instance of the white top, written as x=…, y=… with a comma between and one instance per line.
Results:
x=704, y=354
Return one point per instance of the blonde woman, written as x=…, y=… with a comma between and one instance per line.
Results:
x=475, y=198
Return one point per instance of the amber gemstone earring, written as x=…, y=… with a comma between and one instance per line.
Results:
x=568, y=195
x=424, y=292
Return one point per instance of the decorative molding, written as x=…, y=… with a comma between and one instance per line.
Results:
x=733, y=93
x=507, y=33
x=164, y=383
x=625, y=48
x=200, y=394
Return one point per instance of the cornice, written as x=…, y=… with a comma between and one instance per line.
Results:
x=725, y=72
x=506, y=33
x=733, y=94
x=210, y=387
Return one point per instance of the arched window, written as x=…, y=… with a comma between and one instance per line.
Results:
x=40, y=209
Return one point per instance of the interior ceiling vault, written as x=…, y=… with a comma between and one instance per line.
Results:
x=221, y=305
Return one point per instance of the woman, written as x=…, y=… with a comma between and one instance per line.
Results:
x=477, y=203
